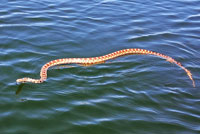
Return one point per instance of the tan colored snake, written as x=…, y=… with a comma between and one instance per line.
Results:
x=98, y=60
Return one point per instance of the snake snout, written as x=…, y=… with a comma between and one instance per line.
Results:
x=22, y=80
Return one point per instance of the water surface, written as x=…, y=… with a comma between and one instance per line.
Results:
x=134, y=94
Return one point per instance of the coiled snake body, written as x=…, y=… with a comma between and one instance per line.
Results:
x=98, y=60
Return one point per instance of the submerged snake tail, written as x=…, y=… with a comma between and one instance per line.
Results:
x=169, y=59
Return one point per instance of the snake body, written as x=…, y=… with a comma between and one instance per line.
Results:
x=98, y=60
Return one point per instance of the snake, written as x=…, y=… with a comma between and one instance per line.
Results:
x=101, y=59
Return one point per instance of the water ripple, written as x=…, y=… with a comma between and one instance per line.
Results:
x=131, y=94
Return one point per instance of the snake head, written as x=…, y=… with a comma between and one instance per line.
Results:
x=26, y=79
x=22, y=80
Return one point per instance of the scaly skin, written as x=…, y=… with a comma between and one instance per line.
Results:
x=98, y=60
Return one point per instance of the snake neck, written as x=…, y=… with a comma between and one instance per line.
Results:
x=43, y=77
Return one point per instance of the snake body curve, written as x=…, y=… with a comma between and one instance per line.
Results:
x=98, y=60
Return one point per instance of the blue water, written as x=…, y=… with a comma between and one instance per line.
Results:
x=135, y=94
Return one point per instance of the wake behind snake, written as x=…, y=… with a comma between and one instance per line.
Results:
x=98, y=60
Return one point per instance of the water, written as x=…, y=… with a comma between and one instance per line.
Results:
x=132, y=94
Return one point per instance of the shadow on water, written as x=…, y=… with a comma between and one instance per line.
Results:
x=19, y=89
